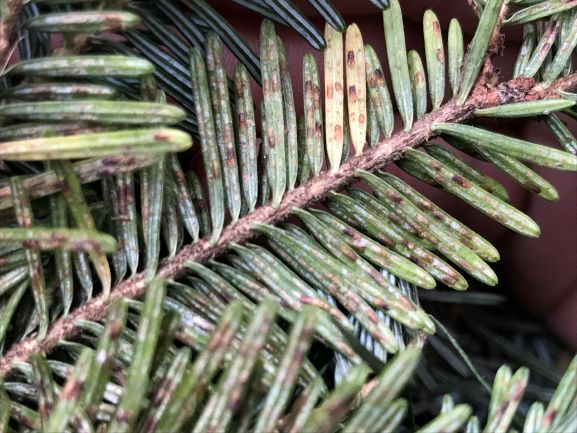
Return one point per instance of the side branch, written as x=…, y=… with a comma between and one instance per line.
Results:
x=517, y=90
x=488, y=75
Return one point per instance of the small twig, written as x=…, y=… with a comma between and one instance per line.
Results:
x=517, y=90
x=488, y=75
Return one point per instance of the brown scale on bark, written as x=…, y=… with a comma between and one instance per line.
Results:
x=271, y=138
x=419, y=78
x=338, y=134
x=266, y=89
x=317, y=97
x=230, y=156
x=373, y=317
x=30, y=244
x=275, y=83
x=438, y=216
x=372, y=80
x=461, y=181
x=440, y=55
x=215, y=169
x=161, y=137
x=380, y=77
x=318, y=129
x=394, y=197
x=329, y=90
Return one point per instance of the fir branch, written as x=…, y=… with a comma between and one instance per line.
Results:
x=516, y=90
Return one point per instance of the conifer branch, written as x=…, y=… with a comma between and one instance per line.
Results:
x=521, y=89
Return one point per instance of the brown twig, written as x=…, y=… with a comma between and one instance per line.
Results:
x=488, y=75
x=516, y=90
